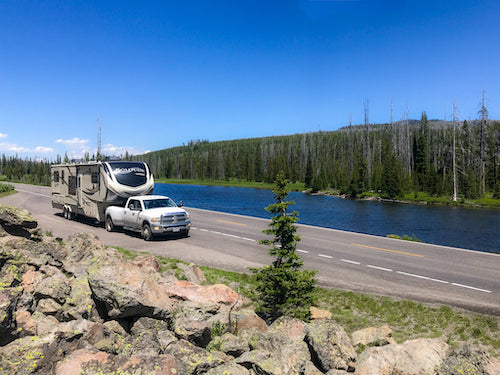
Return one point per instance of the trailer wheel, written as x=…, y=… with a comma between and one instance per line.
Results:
x=66, y=213
x=146, y=232
x=109, y=224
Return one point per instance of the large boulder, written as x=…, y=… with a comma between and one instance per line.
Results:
x=188, y=291
x=247, y=320
x=8, y=300
x=82, y=250
x=30, y=253
x=124, y=290
x=160, y=330
x=194, y=321
x=373, y=336
x=330, y=346
x=79, y=303
x=413, y=357
x=291, y=327
x=85, y=361
x=469, y=360
x=230, y=368
x=274, y=353
x=192, y=273
x=54, y=284
x=230, y=344
x=18, y=222
x=23, y=356
x=319, y=313
x=192, y=359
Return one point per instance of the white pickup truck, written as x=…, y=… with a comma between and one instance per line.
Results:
x=150, y=215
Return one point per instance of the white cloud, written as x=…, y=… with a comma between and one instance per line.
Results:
x=12, y=147
x=74, y=142
x=112, y=150
x=44, y=149
x=3, y=135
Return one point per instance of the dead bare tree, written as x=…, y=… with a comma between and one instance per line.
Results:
x=455, y=188
x=483, y=112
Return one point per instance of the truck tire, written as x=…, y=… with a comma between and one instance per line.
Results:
x=146, y=232
x=109, y=224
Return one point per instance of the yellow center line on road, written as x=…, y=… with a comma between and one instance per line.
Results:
x=391, y=251
x=231, y=222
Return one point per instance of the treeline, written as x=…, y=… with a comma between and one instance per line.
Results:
x=26, y=171
x=435, y=157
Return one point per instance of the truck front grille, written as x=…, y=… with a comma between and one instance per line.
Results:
x=174, y=219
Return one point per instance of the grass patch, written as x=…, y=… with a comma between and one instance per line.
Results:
x=127, y=254
x=296, y=186
x=486, y=202
x=405, y=237
x=6, y=189
x=354, y=311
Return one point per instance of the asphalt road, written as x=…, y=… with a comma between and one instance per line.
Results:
x=346, y=260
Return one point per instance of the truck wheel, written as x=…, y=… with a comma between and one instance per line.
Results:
x=146, y=232
x=109, y=224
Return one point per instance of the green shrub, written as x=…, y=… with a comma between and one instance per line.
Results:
x=4, y=188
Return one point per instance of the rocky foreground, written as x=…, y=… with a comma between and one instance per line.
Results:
x=75, y=307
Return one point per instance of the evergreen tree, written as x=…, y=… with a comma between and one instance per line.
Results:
x=391, y=180
x=282, y=287
x=308, y=179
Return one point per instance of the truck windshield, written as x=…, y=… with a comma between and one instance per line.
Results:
x=158, y=203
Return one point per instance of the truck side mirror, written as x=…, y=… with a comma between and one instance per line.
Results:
x=181, y=203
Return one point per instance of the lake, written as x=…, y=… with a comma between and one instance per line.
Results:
x=468, y=228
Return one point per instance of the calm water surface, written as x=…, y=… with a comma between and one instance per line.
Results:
x=476, y=229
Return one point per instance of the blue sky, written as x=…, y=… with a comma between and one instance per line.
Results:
x=161, y=73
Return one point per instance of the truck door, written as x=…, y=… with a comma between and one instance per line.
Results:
x=131, y=214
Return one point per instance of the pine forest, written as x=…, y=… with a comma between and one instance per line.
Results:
x=455, y=159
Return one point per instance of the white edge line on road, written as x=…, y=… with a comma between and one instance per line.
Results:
x=379, y=268
x=471, y=287
x=31, y=192
x=413, y=275
x=325, y=256
x=350, y=261
x=303, y=251
x=224, y=234
x=440, y=281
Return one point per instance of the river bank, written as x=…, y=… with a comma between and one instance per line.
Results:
x=420, y=198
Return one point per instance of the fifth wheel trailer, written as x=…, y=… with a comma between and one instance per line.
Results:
x=89, y=188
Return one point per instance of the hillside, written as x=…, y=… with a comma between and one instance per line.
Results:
x=405, y=157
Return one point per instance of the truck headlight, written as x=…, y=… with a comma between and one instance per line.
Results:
x=156, y=219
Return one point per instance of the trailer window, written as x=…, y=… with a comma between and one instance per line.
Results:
x=129, y=173
x=95, y=178
x=72, y=185
x=56, y=176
